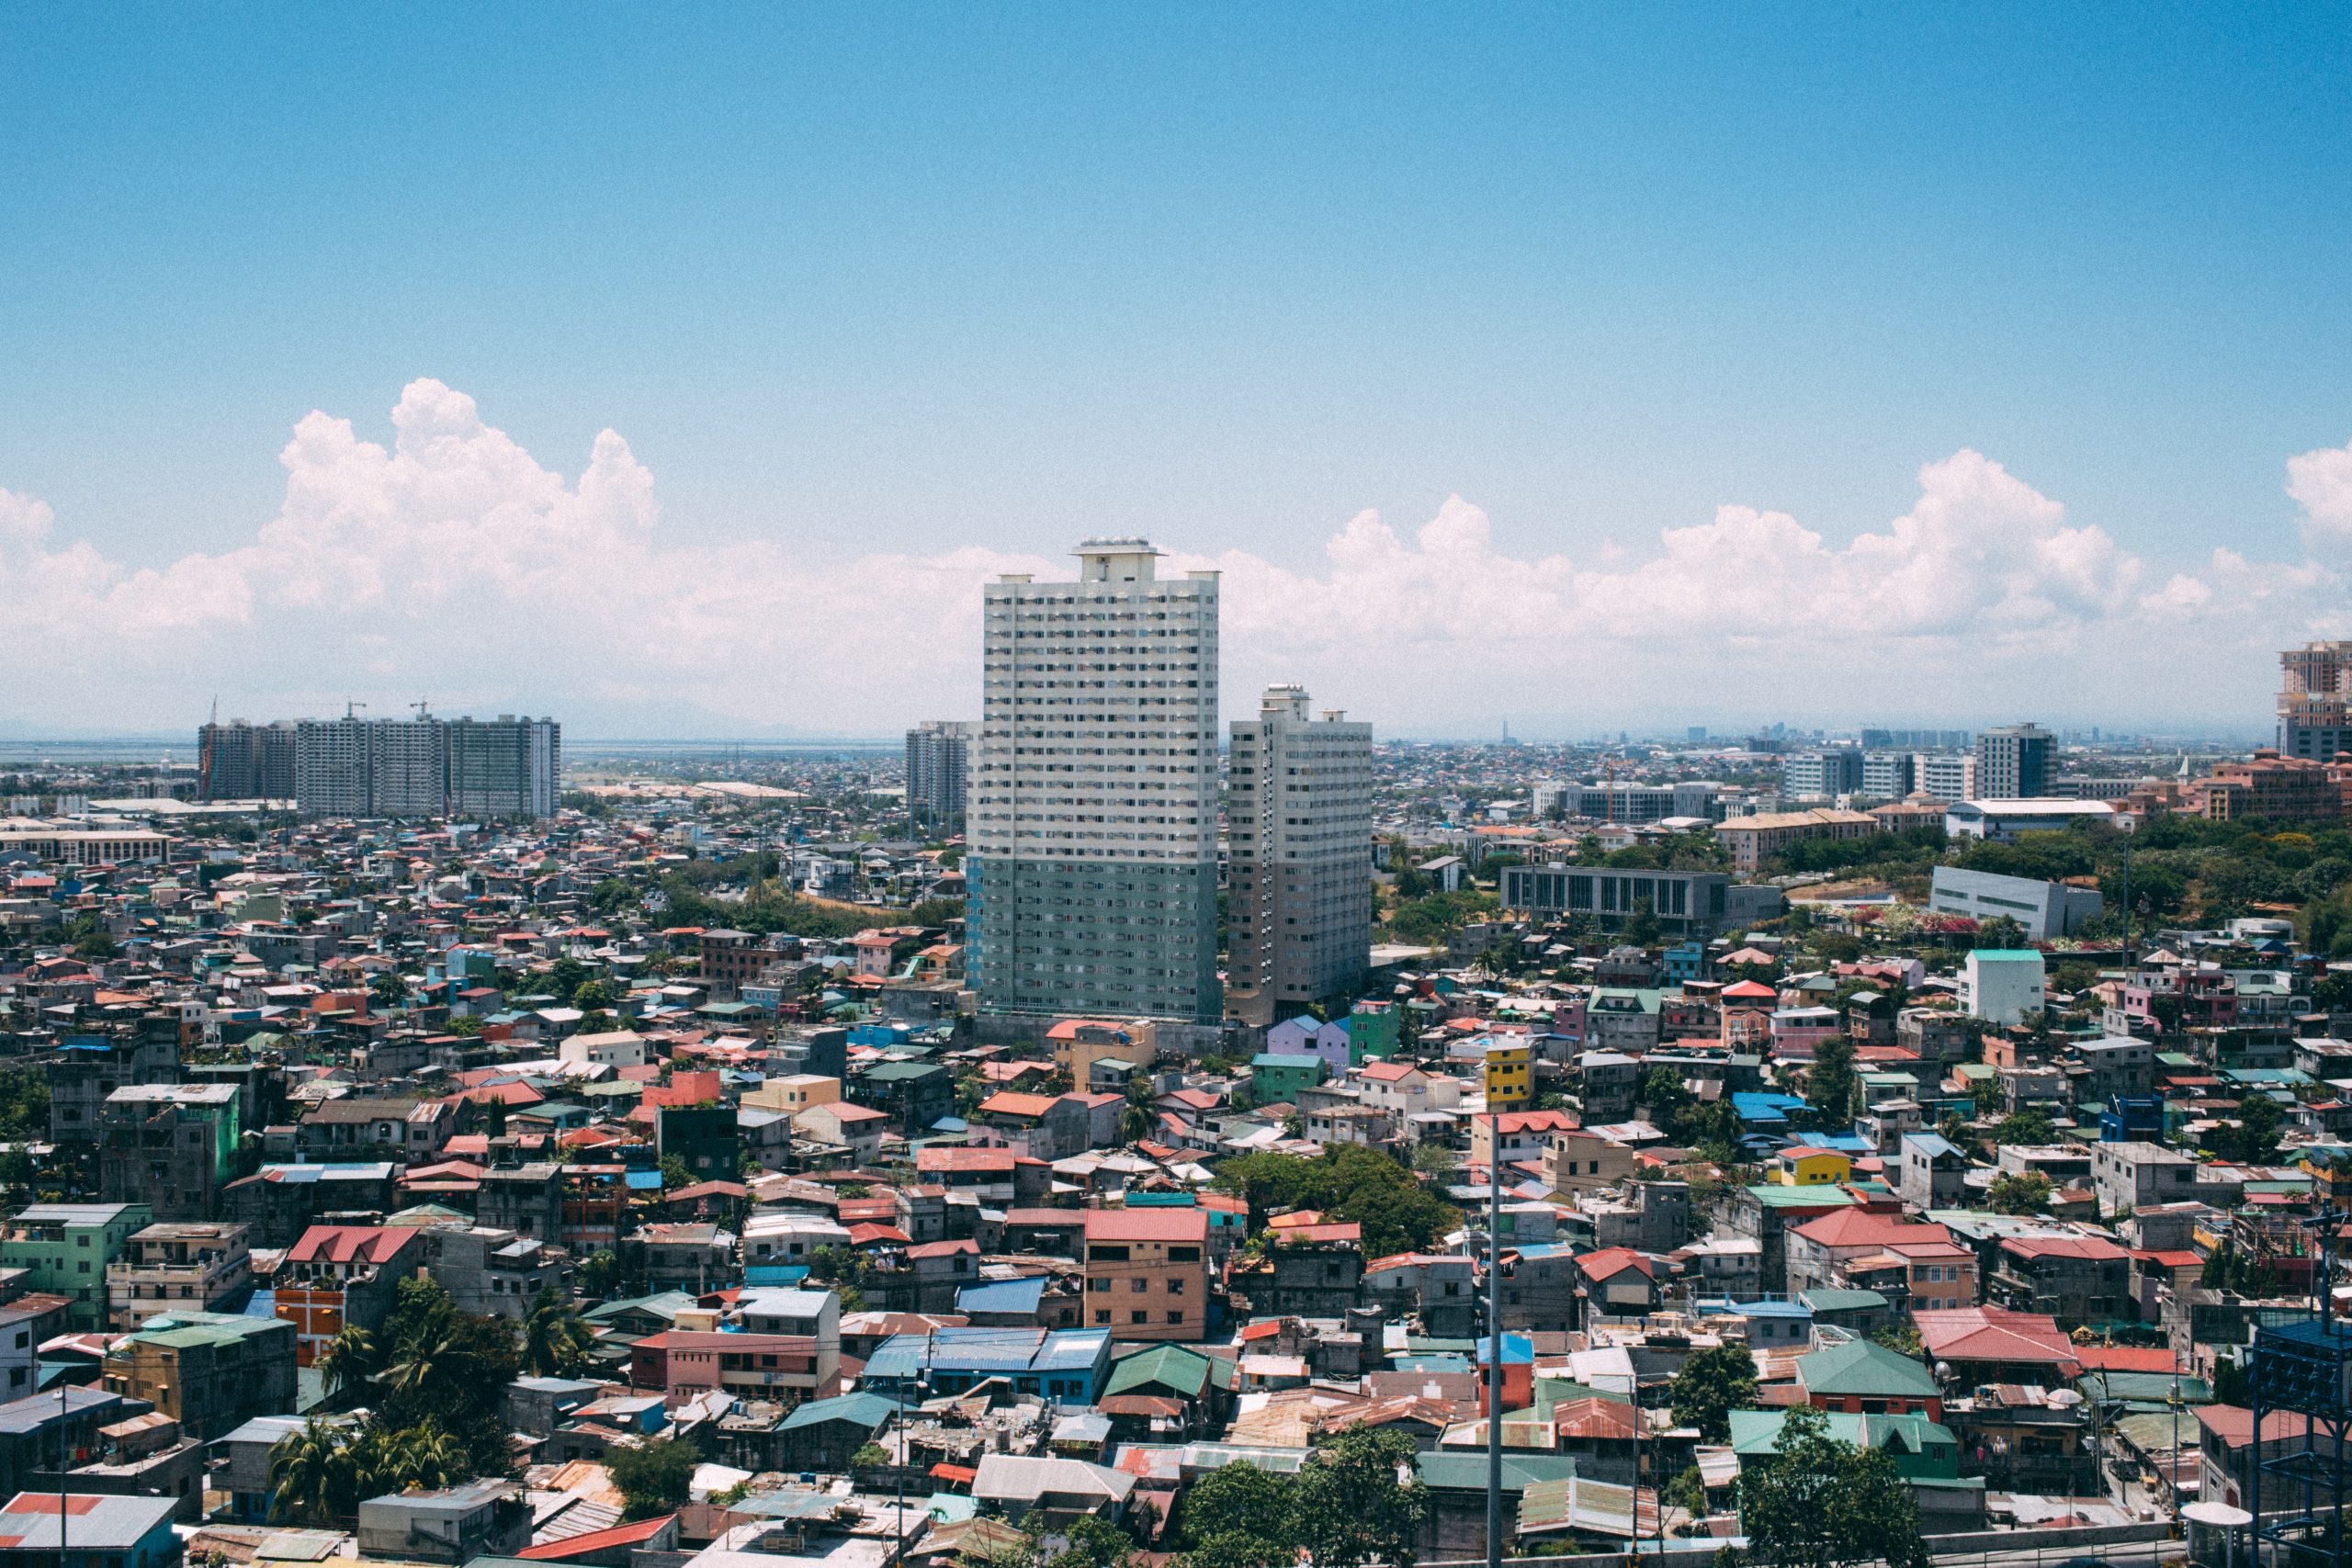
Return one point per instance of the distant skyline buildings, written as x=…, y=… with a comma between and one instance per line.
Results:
x=938, y=761
x=241, y=761
x=425, y=766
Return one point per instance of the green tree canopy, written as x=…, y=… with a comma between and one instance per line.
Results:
x=1350, y=1184
x=1665, y=1093
x=1711, y=1384
x=1819, y=1503
x=654, y=1476
x=1360, y=1501
x=2019, y=1193
x=1830, y=1083
x=2029, y=1126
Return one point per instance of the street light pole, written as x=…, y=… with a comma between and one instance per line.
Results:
x=1494, y=1339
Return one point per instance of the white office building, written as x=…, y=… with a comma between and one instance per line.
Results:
x=1822, y=775
x=1889, y=775
x=1091, y=818
x=1298, y=829
x=2013, y=762
x=2001, y=986
x=1947, y=776
x=2002, y=821
x=2044, y=908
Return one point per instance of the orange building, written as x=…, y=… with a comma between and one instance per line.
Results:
x=2275, y=788
x=339, y=1275
x=1148, y=1272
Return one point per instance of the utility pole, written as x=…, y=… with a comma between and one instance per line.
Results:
x=65, y=1465
x=2126, y=901
x=1494, y=1339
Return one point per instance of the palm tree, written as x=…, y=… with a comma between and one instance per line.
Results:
x=348, y=1364
x=304, y=1471
x=555, y=1342
x=428, y=1456
x=428, y=1358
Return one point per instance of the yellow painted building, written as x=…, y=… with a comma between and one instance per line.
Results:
x=1510, y=1075
x=1805, y=1166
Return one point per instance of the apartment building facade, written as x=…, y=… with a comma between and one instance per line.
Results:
x=939, y=759
x=177, y=1268
x=1092, y=875
x=1147, y=1272
x=238, y=761
x=507, y=767
x=1298, y=824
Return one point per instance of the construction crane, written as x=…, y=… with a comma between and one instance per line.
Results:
x=350, y=707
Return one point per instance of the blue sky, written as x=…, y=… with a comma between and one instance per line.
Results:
x=915, y=280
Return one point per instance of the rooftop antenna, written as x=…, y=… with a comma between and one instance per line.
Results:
x=2324, y=1227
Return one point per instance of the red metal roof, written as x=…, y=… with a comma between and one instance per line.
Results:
x=596, y=1540
x=1147, y=1225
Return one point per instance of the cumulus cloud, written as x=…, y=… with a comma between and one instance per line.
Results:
x=453, y=564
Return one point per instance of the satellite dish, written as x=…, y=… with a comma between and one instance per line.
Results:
x=1943, y=1371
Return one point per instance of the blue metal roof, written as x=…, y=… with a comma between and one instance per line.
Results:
x=1001, y=1295
x=988, y=1350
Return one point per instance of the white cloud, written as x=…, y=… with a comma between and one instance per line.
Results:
x=453, y=564
x=2321, y=482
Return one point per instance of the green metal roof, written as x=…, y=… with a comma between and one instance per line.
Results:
x=1758, y=1432
x=1172, y=1367
x=1467, y=1471
x=1868, y=1371
x=1827, y=1298
x=866, y=1410
x=1772, y=1195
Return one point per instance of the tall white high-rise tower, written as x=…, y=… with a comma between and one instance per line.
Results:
x=1091, y=817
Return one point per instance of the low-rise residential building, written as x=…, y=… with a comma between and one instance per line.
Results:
x=2075, y=1279
x=339, y=1275
x=482, y=1518
x=1147, y=1272
x=491, y=1272
x=66, y=1249
x=209, y=1371
x=2002, y=985
x=112, y=1531
x=171, y=1146
x=178, y=1267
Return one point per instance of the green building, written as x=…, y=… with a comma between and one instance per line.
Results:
x=1923, y=1449
x=1373, y=1031
x=1276, y=1079
x=64, y=1249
